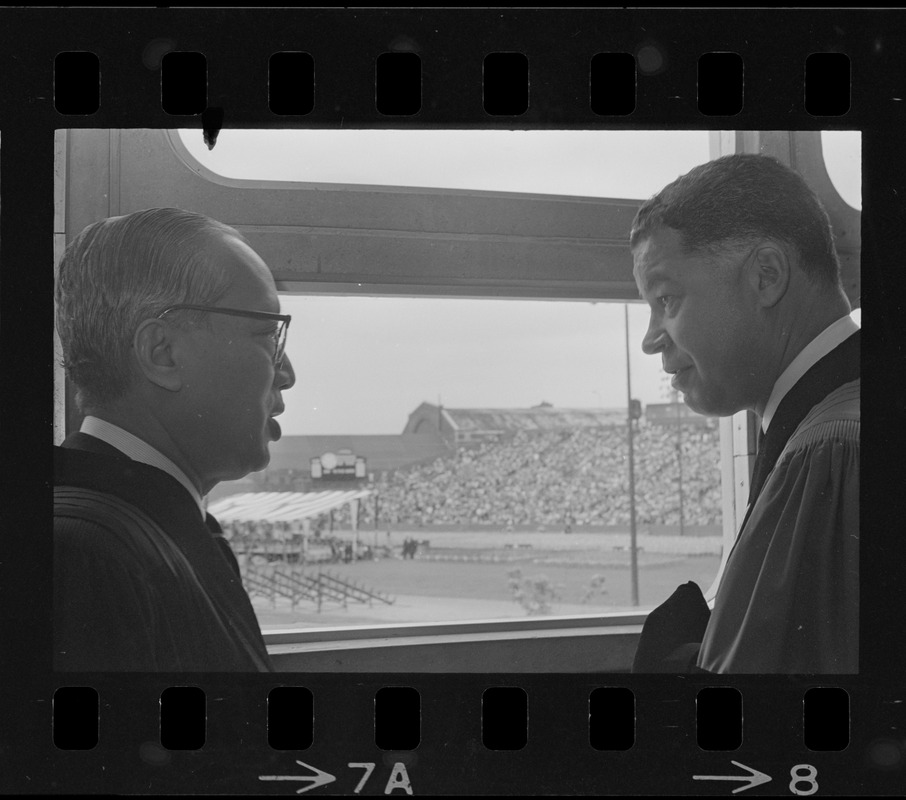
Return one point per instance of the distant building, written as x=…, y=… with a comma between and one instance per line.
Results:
x=432, y=432
x=471, y=426
x=290, y=465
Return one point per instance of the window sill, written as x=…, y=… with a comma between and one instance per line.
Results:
x=598, y=643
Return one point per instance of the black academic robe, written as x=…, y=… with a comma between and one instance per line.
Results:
x=789, y=596
x=788, y=601
x=141, y=581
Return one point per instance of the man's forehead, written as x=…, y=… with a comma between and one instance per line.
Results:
x=660, y=242
x=230, y=252
x=251, y=282
x=656, y=257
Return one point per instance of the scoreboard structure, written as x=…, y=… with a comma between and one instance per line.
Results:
x=343, y=465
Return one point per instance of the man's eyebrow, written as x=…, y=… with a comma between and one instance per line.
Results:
x=654, y=277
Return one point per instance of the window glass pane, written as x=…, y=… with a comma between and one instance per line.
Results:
x=495, y=437
x=581, y=163
x=843, y=159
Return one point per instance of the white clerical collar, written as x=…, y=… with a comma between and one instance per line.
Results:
x=139, y=450
x=832, y=336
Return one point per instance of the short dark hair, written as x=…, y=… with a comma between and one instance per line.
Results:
x=118, y=272
x=738, y=198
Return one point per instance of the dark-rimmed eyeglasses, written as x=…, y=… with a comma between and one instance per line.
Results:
x=279, y=335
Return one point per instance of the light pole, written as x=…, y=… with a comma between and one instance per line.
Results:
x=376, y=523
x=633, y=555
x=679, y=457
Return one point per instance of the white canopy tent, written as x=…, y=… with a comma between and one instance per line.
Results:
x=284, y=506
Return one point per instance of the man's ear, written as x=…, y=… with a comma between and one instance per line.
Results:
x=153, y=344
x=769, y=273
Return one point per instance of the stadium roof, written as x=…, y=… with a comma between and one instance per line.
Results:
x=539, y=418
x=281, y=506
x=544, y=418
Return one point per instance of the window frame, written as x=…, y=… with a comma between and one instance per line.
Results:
x=597, y=268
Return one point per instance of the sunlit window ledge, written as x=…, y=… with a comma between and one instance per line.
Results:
x=449, y=638
x=336, y=638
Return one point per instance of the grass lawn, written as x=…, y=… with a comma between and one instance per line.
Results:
x=442, y=585
x=658, y=577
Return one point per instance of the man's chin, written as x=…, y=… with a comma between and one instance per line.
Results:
x=256, y=464
x=263, y=461
x=705, y=407
x=697, y=404
x=245, y=464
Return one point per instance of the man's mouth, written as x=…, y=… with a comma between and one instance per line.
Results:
x=273, y=426
x=678, y=376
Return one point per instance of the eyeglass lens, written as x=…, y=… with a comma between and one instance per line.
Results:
x=281, y=343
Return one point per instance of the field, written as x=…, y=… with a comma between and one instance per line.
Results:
x=465, y=576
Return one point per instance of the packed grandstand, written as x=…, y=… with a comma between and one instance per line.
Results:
x=564, y=469
x=557, y=478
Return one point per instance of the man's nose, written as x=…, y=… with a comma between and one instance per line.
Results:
x=654, y=340
x=285, y=376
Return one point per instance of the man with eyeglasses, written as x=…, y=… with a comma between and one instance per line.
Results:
x=737, y=263
x=172, y=336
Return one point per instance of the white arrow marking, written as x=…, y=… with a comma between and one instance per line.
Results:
x=754, y=778
x=320, y=779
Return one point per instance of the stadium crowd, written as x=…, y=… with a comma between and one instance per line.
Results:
x=558, y=478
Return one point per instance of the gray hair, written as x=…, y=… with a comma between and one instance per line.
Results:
x=119, y=272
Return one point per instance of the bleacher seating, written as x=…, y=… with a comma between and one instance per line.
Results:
x=554, y=477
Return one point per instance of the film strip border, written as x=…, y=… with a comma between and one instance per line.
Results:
x=532, y=67
x=505, y=82
x=504, y=718
x=563, y=89
x=436, y=736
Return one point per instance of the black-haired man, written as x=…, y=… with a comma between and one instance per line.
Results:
x=736, y=261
